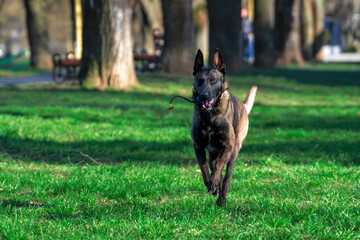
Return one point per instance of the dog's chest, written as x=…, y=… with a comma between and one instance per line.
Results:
x=207, y=130
x=209, y=138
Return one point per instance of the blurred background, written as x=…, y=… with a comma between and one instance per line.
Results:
x=166, y=34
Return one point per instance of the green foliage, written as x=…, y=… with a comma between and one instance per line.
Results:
x=18, y=67
x=297, y=175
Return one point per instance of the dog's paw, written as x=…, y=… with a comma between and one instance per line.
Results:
x=212, y=188
x=221, y=201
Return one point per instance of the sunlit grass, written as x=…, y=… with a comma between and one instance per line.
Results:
x=297, y=175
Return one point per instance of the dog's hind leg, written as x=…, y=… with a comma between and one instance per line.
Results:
x=201, y=158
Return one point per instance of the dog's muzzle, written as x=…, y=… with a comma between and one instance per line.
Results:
x=205, y=103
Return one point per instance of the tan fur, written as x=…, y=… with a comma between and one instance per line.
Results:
x=250, y=99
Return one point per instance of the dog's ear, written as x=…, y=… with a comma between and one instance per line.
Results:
x=199, y=62
x=219, y=61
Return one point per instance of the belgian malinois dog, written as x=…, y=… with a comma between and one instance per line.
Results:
x=220, y=124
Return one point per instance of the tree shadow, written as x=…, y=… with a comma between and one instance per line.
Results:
x=328, y=77
x=103, y=151
x=171, y=153
x=301, y=120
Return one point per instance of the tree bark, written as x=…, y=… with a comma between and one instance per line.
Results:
x=307, y=28
x=319, y=15
x=154, y=13
x=264, y=24
x=38, y=34
x=225, y=32
x=201, y=24
x=287, y=27
x=179, y=47
x=107, y=57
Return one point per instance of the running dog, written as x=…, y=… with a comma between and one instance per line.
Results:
x=220, y=124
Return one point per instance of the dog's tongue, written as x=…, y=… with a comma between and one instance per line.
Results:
x=209, y=103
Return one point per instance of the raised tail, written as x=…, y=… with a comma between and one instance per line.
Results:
x=250, y=99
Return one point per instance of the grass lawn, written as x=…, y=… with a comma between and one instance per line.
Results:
x=297, y=176
x=18, y=67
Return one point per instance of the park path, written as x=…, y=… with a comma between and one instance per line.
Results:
x=343, y=57
x=35, y=79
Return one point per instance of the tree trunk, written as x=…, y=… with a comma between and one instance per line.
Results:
x=107, y=58
x=154, y=13
x=225, y=32
x=307, y=29
x=287, y=27
x=319, y=15
x=38, y=34
x=179, y=48
x=201, y=23
x=138, y=28
x=264, y=24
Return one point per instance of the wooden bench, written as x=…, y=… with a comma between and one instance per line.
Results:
x=65, y=68
x=149, y=62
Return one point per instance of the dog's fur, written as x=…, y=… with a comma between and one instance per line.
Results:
x=220, y=123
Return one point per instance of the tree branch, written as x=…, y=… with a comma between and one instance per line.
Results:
x=87, y=156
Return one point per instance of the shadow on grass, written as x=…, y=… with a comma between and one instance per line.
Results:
x=326, y=77
x=102, y=151
x=172, y=153
x=306, y=118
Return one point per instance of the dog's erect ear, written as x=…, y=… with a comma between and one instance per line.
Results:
x=199, y=62
x=219, y=61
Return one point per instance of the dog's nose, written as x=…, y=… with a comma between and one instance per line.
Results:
x=205, y=95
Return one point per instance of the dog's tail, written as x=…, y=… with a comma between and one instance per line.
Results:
x=250, y=99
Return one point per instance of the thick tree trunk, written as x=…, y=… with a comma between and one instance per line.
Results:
x=179, y=48
x=38, y=34
x=307, y=29
x=225, y=32
x=287, y=27
x=264, y=27
x=154, y=13
x=139, y=26
x=319, y=15
x=107, y=58
x=201, y=23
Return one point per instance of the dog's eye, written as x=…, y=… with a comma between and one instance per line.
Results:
x=213, y=80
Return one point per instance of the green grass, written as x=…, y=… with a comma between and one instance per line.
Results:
x=297, y=176
x=18, y=67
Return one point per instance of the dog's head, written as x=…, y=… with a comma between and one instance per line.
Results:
x=209, y=82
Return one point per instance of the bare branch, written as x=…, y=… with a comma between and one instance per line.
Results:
x=87, y=156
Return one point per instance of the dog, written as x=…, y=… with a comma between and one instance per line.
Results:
x=220, y=124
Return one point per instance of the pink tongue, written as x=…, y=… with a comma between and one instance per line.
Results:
x=208, y=104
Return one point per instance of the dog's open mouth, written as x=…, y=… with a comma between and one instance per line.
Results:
x=208, y=103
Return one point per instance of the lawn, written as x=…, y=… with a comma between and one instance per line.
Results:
x=88, y=164
x=18, y=67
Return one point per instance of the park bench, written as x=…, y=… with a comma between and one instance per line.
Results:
x=65, y=68
x=149, y=62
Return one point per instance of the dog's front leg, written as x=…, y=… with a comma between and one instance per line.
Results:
x=226, y=182
x=201, y=158
x=216, y=174
x=212, y=161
